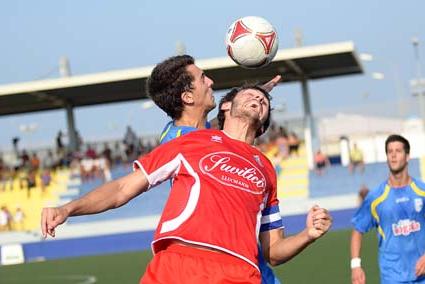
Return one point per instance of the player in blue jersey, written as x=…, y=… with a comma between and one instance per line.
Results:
x=395, y=208
x=184, y=92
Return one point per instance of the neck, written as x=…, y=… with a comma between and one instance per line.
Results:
x=193, y=119
x=399, y=179
x=241, y=131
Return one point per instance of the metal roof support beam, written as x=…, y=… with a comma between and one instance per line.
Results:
x=295, y=67
x=310, y=133
x=72, y=133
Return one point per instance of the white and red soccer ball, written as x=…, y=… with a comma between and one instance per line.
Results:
x=251, y=42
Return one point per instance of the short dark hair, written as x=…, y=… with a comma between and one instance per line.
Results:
x=232, y=94
x=398, y=138
x=168, y=80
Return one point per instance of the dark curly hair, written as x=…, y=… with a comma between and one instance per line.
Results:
x=232, y=94
x=398, y=138
x=168, y=80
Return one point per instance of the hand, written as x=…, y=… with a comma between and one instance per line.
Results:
x=420, y=266
x=272, y=83
x=51, y=218
x=358, y=276
x=318, y=222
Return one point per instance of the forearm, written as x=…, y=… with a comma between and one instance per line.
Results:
x=286, y=248
x=356, y=244
x=108, y=196
x=96, y=201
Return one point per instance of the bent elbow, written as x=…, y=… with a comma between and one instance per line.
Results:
x=275, y=262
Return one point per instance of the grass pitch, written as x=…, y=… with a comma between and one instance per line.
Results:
x=325, y=262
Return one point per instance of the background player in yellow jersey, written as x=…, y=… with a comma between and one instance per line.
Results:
x=395, y=209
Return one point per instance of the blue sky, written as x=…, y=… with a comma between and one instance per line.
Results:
x=99, y=36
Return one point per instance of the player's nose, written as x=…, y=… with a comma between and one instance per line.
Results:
x=210, y=82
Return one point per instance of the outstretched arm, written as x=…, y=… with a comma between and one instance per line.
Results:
x=357, y=273
x=107, y=196
x=278, y=249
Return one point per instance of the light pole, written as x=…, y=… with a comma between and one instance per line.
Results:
x=418, y=84
x=398, y=90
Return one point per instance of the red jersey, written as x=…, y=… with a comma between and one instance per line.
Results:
x=223, y=192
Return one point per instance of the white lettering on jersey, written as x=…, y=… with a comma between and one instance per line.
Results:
x=402, y=199
x=233, y=170
x=405, y=227
x=418, y=204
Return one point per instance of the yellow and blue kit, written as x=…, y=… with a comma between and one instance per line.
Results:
x=172, y=131
x=398, y=215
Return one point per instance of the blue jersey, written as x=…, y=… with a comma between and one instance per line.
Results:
x=399, y=217
x=172, y=131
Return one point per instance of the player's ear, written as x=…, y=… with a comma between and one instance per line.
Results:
x=187, y=97
x=226, y=106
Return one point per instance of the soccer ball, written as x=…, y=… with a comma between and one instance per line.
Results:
x=251, y=42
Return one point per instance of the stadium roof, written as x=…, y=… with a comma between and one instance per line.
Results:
x=310, y=62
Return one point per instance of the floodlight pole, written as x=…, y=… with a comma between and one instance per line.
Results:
x=421, y=91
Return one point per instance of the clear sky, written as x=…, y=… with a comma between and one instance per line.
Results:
x=101, y=35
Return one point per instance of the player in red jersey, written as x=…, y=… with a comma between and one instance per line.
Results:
x=222, y=200
x=180, y=88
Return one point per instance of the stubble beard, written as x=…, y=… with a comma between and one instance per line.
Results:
x=396, y=171
x=254, y=119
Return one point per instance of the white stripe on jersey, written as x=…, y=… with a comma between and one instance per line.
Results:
x=138, y=166
x=170, y=170
x=271, y=218
x=191, y=203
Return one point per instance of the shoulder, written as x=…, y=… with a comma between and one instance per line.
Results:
x=172, y=131
x=377, y=191
x=188, y=134
x=419, y=183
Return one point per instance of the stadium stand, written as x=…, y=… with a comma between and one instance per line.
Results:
x=293, y=179
x=19, y=197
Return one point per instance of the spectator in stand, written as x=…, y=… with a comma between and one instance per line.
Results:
x=321, y=162
x=19, y=219
x=273, y=132
x=282, y=142
x=88, y=167
x=294, y=144
x=118, y=155
x=59, y=143
x=80, y=141
x=5, y=219
x=49, y=161
x=45, y=178
x=25, y=159
x=90, y=152
x=34, y=162
x=130, y=138
x=105, y=163
x=2, y=175
x=363, y=192
x=31, y=181
x=107, y=153
x=6, y=177
x=131, y=153
x=356, y=159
